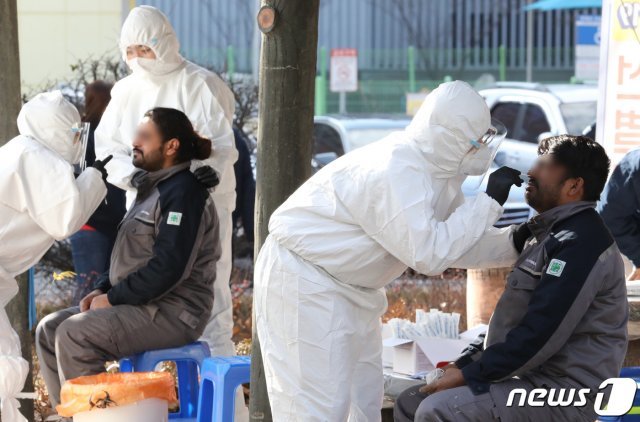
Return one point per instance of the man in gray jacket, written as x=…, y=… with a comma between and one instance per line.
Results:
x=158, y=292
x=561, y=322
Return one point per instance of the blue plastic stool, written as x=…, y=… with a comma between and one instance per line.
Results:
x=634, y=414
x=221, y=376
x=188, y=358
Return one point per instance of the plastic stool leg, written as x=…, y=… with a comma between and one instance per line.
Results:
x=126, y=365
x=205, y=401
x=224, y=403
x=188, y=388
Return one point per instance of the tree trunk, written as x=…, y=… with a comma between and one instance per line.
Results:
x=285, y=130
x=484, y=288
x=10, y=75
x=10, y=105
x=18, y=311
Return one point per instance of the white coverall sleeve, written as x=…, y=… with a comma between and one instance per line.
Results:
x=65, y=217
x=225, y=97
x=494, y=250
x=402, y=220
x=109, y=142
x=210, y=121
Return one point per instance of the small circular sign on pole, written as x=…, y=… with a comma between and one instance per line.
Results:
x=266, y=18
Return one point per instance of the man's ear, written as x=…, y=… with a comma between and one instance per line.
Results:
x=575, y=187
x=172, y=147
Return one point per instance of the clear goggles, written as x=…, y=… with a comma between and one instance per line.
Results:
x=492, y=138
x=80, y=132
x=482, y=152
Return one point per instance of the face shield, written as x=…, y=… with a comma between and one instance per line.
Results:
x=80, y=140
x=482, y=151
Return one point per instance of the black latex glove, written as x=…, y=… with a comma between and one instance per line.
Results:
x=207, y=176
x=520, y=236
x=500, y=182
x=99, y=165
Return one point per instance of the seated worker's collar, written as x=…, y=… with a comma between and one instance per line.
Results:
x=542, y=224
x=144, y=181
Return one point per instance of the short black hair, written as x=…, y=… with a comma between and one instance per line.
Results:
x=581, y=157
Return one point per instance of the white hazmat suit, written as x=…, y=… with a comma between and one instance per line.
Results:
x=351, y=229
x=40, y=202
x=171, y=81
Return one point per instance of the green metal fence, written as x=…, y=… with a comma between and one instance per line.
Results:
x=383, y=91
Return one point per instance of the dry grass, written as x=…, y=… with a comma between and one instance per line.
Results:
x=411, y=292
x=405, y=295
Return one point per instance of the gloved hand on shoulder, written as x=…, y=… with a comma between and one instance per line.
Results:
x=207, y=176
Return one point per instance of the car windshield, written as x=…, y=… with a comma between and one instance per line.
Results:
x=577, y=116
x=361, y=137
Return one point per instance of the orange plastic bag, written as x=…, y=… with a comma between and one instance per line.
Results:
x=106, y=390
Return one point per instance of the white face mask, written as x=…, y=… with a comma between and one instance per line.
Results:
x=477, y=161
x=151, y=67
x=141, y=65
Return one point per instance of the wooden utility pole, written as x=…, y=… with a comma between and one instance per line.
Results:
x=285, y=130
x=18, y=308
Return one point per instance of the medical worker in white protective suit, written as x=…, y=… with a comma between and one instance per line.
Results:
x=352, y=228
x=163, y=78
x=40, y=201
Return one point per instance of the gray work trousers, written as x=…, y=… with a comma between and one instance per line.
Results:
x=72, y=344
x=461, y=405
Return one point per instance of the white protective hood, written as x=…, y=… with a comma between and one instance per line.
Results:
x=49, y=118
x=148, y=26
x=451, y=116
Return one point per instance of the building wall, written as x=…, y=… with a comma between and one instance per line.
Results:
x=54, y=34
x=206, y=28
x=450, y=35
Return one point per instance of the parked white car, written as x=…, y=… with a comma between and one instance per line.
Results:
x=532, y=112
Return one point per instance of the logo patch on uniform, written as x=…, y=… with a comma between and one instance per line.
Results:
x=174, y=218
x=556, y=267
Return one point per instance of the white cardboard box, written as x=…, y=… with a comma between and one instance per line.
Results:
x=387, y=351
x=414, y=357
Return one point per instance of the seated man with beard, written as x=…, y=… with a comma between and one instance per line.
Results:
x=561, y=322
x=158, y=292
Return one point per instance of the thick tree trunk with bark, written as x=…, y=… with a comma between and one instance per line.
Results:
x=9, y=108
x=285, y=128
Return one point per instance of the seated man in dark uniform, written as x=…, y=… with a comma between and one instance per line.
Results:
x=158, y=292
x=561, y=322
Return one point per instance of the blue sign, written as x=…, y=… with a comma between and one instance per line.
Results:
x=588, y=30
x=587, y=47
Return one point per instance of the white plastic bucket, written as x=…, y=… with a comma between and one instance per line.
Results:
x=149, y=410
